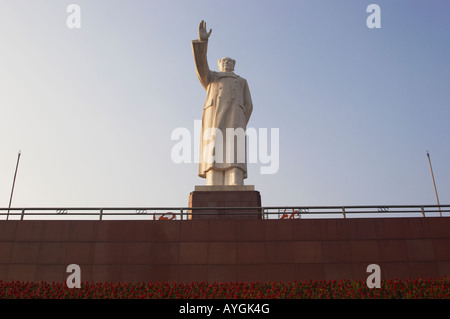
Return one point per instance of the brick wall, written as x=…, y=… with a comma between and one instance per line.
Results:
x=225, y=250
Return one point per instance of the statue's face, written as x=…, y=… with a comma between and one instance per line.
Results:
x=226, y=65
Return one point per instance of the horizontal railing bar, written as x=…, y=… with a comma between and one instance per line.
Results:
x=255, y=208
x=189, y=208
x=56, y=214
x=350, y=207
x=271, y=213
x=338, y=210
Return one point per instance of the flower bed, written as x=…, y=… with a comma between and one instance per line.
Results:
x=343, y=289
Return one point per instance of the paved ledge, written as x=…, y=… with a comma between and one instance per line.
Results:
x=221, y=188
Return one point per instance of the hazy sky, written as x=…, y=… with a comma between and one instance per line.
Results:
x=93, y=109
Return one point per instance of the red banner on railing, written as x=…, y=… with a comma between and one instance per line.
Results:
x=166, y=216
x=294, y=215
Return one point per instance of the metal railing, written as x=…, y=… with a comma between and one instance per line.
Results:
x=184, y=213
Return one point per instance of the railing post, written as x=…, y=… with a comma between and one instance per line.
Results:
x=181, y=213
x=101, y=214
x=343, y=212
x=23, y=214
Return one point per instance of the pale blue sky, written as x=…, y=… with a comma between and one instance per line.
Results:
x=92, y=110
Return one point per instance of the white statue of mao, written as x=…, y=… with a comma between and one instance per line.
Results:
x=228, y=105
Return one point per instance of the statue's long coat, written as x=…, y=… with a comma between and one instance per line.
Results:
x=228, y=105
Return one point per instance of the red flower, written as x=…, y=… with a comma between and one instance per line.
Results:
x=353, y=289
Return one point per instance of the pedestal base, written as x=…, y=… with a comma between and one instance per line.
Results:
x=232, y=199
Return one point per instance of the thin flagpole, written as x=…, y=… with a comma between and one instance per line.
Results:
x=434, y=183
x=14, y=182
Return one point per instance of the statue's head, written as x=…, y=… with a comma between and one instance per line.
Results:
x=226, y=64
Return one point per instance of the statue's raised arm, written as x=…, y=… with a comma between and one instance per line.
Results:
x=199, y=48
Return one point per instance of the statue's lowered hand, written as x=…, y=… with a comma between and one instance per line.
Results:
x=202, y=33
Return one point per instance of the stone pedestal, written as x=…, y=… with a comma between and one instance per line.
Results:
x=234, y=198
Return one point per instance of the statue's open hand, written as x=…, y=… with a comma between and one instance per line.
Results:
x=202, y=33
